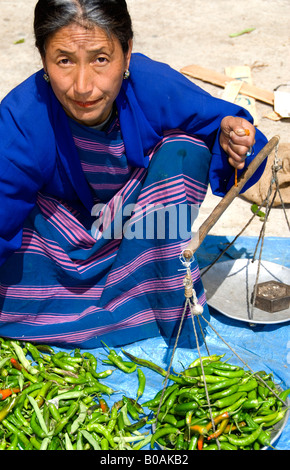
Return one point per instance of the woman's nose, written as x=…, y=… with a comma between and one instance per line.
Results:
x=83, y=82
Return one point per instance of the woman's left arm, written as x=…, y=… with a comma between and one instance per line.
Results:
x=157, y=98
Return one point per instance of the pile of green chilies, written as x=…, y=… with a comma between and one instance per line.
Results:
x=243, y=409
x=55, y=401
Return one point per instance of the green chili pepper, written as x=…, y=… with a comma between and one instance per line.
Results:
x=227, y=446
x=146, y=440
x=245, y=441
x=35, y=442
x=280, y=415
x=142, y=382
x=224, y=366
x=3, y=444
x=20, y=417
x=8, y=407
x=171, y=399
x=163, y=432
x=3, y=362
x=220, y=385
x=225, y=393
x=211, y=447
x=100, y=429
x=210, y=379
x=187, y=396
x=248, y=386
x=193, y=443
x=265, y=408
x=38, y=431
x=73, y=408
x=118, y=361
x=57, y=360
x=186, y=379
x=99, y=387
x=104, y=444
x=182, y=408
x=120, y=364
x=71, y=395
x=113, y=419
x=23, y=360
x=20, y=434
x=248, y=404
x=14, y=443
x=180, y=442
x=39, y=415
x=134, y=409
x=54, y=412
x=197, y=371
x=263, y=391
x=230, y=373
x=53, y=377
x=206, y=360
x=98, y=417
x=264, y=438
x=167, y=418
x=156, y=400
x=152, y=366
x=45, y=443
x=233, y=407
x=30, y=377
x=102, y=374
x=254, y=207
x=34, y=353
x=139, y=424
x=120, y=421
x=42, y=393
x=92, y=360
x=283, y=395
x=252, y=394
x=30, y=389
x=45, y=348
x=265, y=419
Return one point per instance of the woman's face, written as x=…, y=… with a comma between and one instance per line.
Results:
x=86, y=70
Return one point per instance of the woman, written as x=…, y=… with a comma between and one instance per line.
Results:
x=95, y=134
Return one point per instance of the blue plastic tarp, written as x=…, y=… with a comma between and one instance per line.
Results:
x=264, y=347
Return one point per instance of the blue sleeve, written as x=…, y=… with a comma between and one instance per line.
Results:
x=24, y=165
x=164, y=99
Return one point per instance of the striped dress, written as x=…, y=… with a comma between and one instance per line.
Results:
x=114, y=274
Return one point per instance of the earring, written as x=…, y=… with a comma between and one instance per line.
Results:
x=46, y=77
x=126, y=74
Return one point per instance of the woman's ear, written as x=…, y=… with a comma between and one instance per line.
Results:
x=128, y=54
x=43, y=63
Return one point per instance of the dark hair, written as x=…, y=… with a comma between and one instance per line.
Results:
x=110, y=15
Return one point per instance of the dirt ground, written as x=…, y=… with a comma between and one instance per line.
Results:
x=180, y=33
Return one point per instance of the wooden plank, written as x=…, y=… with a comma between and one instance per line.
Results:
x=231, y=90
x=219, y=79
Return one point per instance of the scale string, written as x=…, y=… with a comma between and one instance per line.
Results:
x=171, y=359
x=202, y=370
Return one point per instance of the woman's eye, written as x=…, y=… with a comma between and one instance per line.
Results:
x=101, y=60
x=64, y=61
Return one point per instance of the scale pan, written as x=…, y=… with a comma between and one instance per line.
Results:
x=229, y=286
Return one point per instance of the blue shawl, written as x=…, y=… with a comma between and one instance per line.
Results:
x=38, y=153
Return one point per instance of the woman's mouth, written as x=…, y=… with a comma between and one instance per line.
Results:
x=86, y=104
